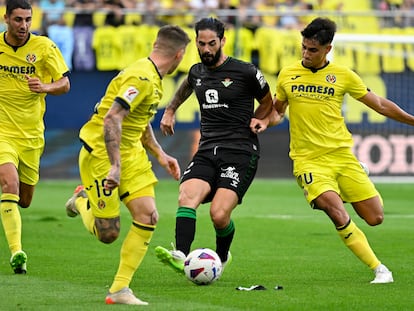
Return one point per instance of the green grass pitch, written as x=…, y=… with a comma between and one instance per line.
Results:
x=279, y=241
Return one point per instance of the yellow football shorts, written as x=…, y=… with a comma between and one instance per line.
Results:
x=25, y=155
x=338, y=171
x=137, y=180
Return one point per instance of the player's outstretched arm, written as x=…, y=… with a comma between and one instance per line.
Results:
x=387, y=108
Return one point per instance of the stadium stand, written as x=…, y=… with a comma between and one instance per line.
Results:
x=409, y=49
x=262, y=31
x=375, y=38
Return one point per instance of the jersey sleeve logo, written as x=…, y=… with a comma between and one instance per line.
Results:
x=131, y=93
x=261, y=79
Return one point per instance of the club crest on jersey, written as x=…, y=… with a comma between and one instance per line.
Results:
x=198, y=82
x=131, y=93
x=330, y=78
x=227, y=82
x=101, y=204
x=31, y=58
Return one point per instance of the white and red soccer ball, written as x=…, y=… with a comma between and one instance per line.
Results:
x=203, y=266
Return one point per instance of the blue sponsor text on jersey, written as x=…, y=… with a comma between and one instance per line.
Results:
x=319, y=89
x=18, y=69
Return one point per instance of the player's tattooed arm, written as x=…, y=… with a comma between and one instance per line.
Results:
x=184, y=91
x=168, y=119
x=113, y=130
x=112, y=136
x=149, y=141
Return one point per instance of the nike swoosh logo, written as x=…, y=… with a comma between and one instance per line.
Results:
x=348, y=235
x=294, y=78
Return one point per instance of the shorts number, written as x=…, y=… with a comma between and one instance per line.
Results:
x=306, y=178
x=100, y=188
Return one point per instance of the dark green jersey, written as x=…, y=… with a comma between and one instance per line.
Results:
x=226, y=96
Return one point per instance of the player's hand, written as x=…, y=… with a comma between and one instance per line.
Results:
x=167, y=123
x=257, y=125
x=171, y=165
x=275, y=118
x=113, y=178
x=35, y=85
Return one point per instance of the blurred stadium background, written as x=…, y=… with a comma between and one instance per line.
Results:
x=99, y=37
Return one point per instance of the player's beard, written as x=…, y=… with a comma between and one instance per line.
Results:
x=210, y=60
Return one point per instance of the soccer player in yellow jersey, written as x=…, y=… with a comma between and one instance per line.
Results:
x=113, y=161
x=30, y=68
x=321, y=145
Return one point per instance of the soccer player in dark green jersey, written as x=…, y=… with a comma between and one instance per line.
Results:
x=226, y=161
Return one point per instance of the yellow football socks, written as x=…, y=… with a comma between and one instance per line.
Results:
x=357, y=242
x=87, y=217
x=133, y=250
x=12, y=221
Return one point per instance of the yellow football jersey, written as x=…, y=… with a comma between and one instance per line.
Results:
x=315, y=107
x=139, y=89
x=107, y=46
x=21, y=110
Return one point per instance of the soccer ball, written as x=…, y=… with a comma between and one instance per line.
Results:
x=202, y=266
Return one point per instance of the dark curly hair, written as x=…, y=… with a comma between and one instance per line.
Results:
x=210, y=23
x=320, y=29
